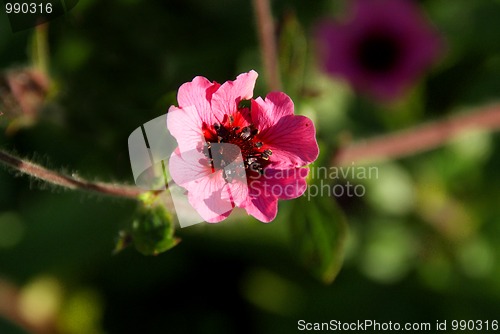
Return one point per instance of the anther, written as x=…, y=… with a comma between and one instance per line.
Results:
x=255, y=166
x=251, y=160
x=266, y=154
x=246, y=133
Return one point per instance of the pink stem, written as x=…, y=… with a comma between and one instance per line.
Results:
x=65, y=181
x=418, y=139
x=268, y=47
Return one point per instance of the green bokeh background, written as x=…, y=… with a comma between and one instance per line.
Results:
x=423, y=243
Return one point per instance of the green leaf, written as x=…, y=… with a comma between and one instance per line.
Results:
x=318, y=232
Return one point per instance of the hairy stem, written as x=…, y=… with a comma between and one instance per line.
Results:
x=420, y=138
x=267, y=38
x=69, y=182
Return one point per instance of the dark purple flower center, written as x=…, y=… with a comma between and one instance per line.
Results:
x=255, y=155
x=378, y=52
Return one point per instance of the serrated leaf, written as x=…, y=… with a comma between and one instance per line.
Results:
x=318, y=232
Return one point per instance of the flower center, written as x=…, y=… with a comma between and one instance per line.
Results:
x=255, y=156
x=378, y=52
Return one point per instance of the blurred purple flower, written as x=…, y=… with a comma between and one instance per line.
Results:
x=381, y=49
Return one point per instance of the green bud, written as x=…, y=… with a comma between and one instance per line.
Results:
x=152, y=230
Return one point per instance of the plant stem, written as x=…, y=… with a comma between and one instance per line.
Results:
x=40, y=48
x=267, y=38
x=69, y=182
x=420, y=138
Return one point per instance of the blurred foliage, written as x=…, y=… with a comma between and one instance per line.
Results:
x=318, y=234
x=422, y=244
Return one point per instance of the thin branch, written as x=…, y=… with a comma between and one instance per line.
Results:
x=419, y=139
x=267, y=39
x=41, y=173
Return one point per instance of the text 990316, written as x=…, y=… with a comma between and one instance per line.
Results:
x=28, y=8
x=29, y=13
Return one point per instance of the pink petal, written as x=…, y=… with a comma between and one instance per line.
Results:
x=237, y=189
x=261, y=206
x=285, y=183
x=208, y=199
x=208, y=192
x=225, y=100
x=264, y=192
x=292, y=141
x=266, y=113
x=188, y=167
x=235, y=192
x=193, y=94
x=198, y=94
x=291, y=138
x=186, y=126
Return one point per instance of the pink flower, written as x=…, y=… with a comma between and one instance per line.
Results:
x=234, y=150
x=381, y=49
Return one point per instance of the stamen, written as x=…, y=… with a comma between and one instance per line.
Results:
x=246, y=133
x=255, y=166
x=254, y=160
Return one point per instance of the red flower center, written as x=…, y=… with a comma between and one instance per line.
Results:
x=237, y=132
